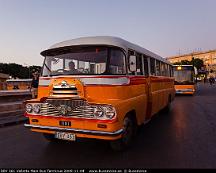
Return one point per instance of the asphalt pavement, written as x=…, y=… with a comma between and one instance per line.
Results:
x=184, y=138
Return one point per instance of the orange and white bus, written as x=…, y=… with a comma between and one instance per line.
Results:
x=99, y=87
x=185, y=79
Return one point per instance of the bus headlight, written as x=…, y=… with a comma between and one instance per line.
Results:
x=98, y=111
x=110, y=111
x=29, y=108
x=104, y=112
x=36, y=108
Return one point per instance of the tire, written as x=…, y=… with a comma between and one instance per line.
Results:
x=49, y=137
x=128, y=135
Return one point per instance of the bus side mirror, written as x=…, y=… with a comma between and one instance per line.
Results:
x=132, y=63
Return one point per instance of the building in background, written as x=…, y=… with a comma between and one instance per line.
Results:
x=3, y=78
x=208, y=57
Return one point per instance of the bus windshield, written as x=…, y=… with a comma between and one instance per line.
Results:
x=85, y=61
x=184, y=75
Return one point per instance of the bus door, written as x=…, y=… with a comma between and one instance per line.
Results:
x=154, y=89
x=140, y=79
x=146, y=62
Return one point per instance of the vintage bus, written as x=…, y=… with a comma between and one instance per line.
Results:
x=99, y=87
x=18, y=84
x=185, y=79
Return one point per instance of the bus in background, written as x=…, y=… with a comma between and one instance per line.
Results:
x=18, y=84
x=185, y=82
x=99, y=87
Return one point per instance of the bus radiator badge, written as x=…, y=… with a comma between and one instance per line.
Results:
x=64, y=84
x=63, y=109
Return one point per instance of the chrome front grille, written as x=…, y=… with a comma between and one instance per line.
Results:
x=64, y=91
x=81, y=111
x=48, y=109
x=68, y=108
x=73, y=103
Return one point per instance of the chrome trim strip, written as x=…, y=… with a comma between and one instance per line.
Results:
x=67, y=87
x=65, y=95
x=94, y=132
x=64, y=92
x=91, y=80
x=105, y=81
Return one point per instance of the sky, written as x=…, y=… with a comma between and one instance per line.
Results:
x=165, y=27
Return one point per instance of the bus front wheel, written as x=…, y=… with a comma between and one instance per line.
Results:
x=129, y=132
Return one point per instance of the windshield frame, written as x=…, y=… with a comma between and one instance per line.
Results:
x=63, y=50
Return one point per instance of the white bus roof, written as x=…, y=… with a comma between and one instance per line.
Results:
x=105, y=40
x=19, y=80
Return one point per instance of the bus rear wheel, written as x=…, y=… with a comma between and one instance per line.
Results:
x=129, y=132
x=167, y=108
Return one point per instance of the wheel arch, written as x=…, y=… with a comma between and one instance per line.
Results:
x=132, y=114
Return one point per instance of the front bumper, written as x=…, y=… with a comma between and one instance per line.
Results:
x=184, y=91
x=79, y=131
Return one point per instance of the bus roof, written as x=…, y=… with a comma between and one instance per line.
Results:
x=104, y=40
x=19, y=80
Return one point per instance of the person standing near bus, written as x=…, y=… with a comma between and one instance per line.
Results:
x=211, y=77
x=34, y=84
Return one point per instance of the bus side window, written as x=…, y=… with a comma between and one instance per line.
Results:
x=167, y=70
x=152, y=66
x=139, y=70
x=146, y=69
x=158, y=68
x=130, y=52
x=163, y=72
x=171, y=71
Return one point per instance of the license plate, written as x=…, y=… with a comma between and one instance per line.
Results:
x=65, y=123
x=65, y=136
